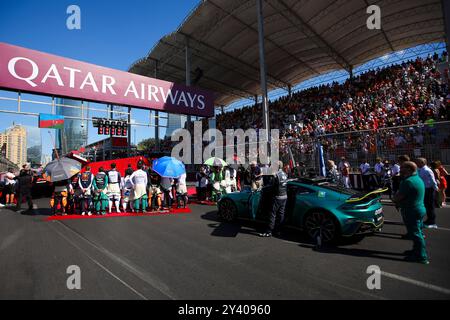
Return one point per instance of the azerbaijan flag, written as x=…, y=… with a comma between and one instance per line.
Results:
x=51, y=121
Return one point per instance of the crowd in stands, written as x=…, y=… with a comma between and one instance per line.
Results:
x=411, y=93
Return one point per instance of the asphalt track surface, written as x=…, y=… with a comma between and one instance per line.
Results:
x=194, y=256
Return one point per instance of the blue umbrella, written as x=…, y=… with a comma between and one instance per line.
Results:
x=169, y=167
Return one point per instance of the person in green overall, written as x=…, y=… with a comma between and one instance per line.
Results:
x=409, y=199
x=100, y=184
x=216, y=178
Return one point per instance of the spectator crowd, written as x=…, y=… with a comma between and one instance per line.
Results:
x=412, y=95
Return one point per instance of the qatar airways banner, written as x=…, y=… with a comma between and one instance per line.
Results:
x=33, y=71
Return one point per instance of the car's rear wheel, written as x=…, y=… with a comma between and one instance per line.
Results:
x=227, y=210
x=321, y=224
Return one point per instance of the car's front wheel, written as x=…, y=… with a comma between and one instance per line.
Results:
x=227, y=210
x=321, y=226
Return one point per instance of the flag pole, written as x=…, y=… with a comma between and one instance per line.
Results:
x=54, y=145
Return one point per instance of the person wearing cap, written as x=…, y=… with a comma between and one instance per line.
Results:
x=410, y=200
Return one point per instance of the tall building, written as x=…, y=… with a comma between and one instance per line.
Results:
x=34, y=145
x=75, y=132
x=15, y=140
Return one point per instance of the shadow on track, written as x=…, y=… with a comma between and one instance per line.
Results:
x=232, y=229
x=363, y=253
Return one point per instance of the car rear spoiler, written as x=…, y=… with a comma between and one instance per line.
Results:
x=368, y=196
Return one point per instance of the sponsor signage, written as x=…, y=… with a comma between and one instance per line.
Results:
x=37, y=72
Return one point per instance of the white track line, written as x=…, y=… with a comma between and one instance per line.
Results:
x=416, y=283
x=102, y=266
x=144, y=277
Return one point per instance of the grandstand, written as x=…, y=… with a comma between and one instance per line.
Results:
x=385, y=112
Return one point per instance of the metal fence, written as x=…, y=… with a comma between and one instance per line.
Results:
x=430, y=140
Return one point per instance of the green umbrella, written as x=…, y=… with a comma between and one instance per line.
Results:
x=215, y=162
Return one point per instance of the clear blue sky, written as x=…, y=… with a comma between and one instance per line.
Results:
x=113, y=34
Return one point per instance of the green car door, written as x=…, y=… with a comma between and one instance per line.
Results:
x=300, y=200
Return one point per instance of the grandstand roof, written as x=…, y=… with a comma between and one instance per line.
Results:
x=303, y=39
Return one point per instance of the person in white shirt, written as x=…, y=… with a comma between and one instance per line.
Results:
x=364, y=168
x=344, y=169
x=114, y=188
x=379, y=166
x=139, y=180
x=230, y=179
x=182, y=197
x=395, y=170
x=9, y=190
x=127, y=190
x=166, y=186
x=427, y=176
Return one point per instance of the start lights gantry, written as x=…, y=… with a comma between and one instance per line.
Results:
x=110, y=126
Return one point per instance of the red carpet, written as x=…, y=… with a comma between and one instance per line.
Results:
x=128, y=214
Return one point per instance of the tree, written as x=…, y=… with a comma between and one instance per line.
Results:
x=147, y=144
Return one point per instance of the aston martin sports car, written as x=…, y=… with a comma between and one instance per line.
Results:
x=316, y=206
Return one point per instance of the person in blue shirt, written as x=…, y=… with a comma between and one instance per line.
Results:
x=410, y=200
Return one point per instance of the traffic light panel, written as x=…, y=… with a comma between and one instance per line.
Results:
x=124, y=129
x=110, y=127
x=107, y=127
x=101, y=128
x=113, y=128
